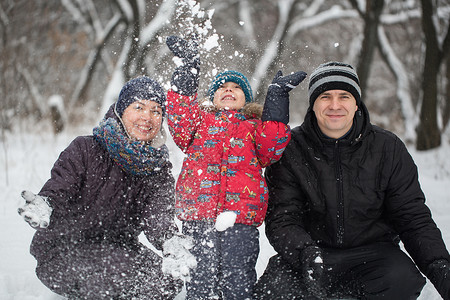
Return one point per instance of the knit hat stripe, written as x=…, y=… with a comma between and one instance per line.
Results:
x=332, y=70
x=329, y=80
x=334, y=76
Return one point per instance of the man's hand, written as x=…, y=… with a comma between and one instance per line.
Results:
x=36, y=210
x=312, y=271
x=439, y=274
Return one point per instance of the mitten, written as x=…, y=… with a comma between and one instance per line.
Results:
x=177, y=260
x=225, y=220
x=36, y=211
x=439, y=274
x=186, y=75
x=312, y=271
x=276, y=107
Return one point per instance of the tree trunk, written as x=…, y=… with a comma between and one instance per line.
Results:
x=370, y=42
x=446, y=61
x=446, y=110
x=428, y=134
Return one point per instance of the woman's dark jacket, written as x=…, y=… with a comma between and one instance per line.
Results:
x=94, y=201
x=344, y=193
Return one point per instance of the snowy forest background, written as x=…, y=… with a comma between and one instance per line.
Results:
x=62, y=63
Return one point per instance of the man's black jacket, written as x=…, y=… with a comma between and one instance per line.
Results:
x=349, y=192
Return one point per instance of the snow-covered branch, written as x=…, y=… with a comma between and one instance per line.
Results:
x=246, y=17
x=86, y=73
x=37, y=97
x=93, y=16
x=161, y=19
x=313, y=8
x=403, y=87
x=77, y=15
x=334, y=13
x=272, y=49
x=126, y=9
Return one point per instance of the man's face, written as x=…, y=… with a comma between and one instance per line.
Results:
x=334, y=111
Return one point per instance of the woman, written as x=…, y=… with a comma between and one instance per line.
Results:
x=105, y=189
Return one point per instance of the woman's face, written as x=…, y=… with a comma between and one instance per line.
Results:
x=142, y=120
x=229, y=96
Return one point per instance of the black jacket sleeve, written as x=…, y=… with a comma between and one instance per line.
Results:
x=411, y=217
x=159, y=215
x=284, y=221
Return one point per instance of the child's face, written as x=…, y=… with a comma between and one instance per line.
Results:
x=229, y=96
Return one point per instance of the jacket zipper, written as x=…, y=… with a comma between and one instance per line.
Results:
x=339, y=196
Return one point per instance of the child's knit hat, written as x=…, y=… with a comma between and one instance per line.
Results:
x=231, y=76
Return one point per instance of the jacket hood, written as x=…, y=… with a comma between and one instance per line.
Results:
x=250, y=110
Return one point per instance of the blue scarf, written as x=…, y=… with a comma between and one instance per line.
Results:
x=135, y=157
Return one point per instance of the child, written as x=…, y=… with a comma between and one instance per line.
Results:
x=221, y=195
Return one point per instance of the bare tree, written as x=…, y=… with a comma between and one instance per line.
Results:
x=85, y=50
x=86, y=14
x=428, y=133
x=446, y=109
x=371, y=17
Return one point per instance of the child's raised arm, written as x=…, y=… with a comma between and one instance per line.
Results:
x=186, y=75
x=182, y=108
x=274, y=134
x=276, y=107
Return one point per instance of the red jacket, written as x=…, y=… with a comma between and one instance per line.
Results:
x=226, y=152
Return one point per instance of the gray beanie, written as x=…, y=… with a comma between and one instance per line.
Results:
x=334, y=76
x=140, y=88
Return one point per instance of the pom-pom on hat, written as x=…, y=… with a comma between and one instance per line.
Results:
x=140, y=88
x=334, y=76
x=231, y=76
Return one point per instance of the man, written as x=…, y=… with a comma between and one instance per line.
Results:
x=343, y=196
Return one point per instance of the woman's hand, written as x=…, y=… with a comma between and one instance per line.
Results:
x=36, y=210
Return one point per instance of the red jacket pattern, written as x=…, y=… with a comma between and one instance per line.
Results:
x=225, y=156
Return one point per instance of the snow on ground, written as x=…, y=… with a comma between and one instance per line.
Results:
x=26, y=158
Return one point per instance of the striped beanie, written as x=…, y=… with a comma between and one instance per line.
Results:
x=231, y=76
x=334, y=76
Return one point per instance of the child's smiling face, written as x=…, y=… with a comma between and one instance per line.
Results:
x=229, y=96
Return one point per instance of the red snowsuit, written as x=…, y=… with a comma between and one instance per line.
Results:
x=226, y=153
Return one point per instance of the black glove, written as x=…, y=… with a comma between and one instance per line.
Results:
x=185, y=77
x=276, y=107
x=439, y=274
x=312, y=271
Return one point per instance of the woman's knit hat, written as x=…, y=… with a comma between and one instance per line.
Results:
x=334, y=76
x=140, y=88
x=231, y=76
